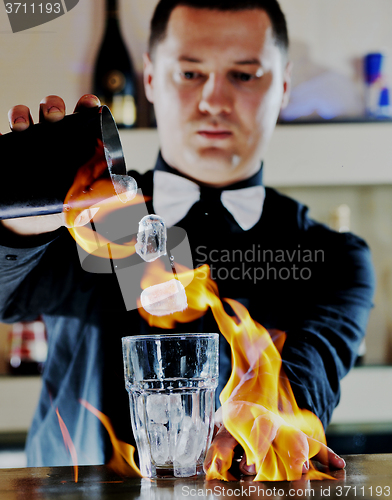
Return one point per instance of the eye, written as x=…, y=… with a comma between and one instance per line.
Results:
x=244, y=77
x=189, y=75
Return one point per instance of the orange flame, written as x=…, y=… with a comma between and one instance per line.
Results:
x=69, y=445
x=258, y=405
x=122, y=461
x=93, y=195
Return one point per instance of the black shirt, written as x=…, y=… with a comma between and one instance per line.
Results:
x=290, y=272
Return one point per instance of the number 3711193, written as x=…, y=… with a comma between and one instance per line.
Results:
x=33, y=8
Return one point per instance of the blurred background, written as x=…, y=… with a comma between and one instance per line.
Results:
x=330, y=151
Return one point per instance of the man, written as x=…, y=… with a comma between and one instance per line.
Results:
x=218, y=75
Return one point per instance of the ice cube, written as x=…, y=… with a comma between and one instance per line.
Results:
x=125, y=187
x=173, y=436
x=157, y=408
x=140, y=409
x=82, y=219
x=186, y=450
x=201, y=429
x=165, y=298
x=159, y=443
x=176, y=411
x=191, y=442
x=176, y=414
x=151, y=238
x=183, y=470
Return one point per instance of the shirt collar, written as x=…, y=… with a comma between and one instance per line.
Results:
x=255, y=180
x=174, y=194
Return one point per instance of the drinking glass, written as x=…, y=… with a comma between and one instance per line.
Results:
x=171, y=381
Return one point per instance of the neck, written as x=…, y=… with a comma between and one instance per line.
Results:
x=254, y=179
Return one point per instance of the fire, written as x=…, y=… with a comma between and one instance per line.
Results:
x=258, y=405
x=93, y=195
x=122, y=461
x=69, y=445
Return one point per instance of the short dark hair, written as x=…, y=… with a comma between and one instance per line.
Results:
x=164, y=9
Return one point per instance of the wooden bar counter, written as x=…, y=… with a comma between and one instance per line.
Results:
x=365, y=477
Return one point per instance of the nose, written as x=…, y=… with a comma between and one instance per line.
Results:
x=215, y=98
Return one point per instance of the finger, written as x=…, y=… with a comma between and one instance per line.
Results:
x=51, y=109
x=221, y=451
x=87, y=101
x=218, y=421
x=328, y=457
x=248, y=470
x=218, y=417
x=262, y=434
x=19, y=118
x=292, y=448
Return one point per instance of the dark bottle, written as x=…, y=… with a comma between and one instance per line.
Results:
x=114, y=78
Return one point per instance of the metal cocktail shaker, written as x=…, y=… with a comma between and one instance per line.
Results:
x=38, y=166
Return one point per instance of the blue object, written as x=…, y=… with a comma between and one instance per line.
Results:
x=384, y=98
x=373, y=66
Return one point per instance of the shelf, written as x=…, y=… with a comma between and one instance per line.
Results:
x=334, y=121
x=307, y=155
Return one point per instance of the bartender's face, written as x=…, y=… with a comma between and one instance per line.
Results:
x=218, y=82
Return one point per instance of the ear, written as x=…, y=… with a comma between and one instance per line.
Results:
x=286, y=84
x=148, y=77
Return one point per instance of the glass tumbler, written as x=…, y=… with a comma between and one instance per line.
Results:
x=171, y=381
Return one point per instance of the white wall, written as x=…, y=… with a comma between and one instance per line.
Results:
x=328, y=38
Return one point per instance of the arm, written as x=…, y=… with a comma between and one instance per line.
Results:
x=322, y=347
x=328, y=323
x=24, y=241
x=19, y=256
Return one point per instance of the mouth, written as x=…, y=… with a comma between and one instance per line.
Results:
x=215, y=134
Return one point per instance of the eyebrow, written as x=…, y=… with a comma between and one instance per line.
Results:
x=244, y=62
x=189, y=59
x=248, y=61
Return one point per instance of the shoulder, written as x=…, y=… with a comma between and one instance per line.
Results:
x=347, y=253
x=291, y=215
x=285, y=211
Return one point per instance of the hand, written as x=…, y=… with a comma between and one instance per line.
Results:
x=269, y=428
x=52, y=109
